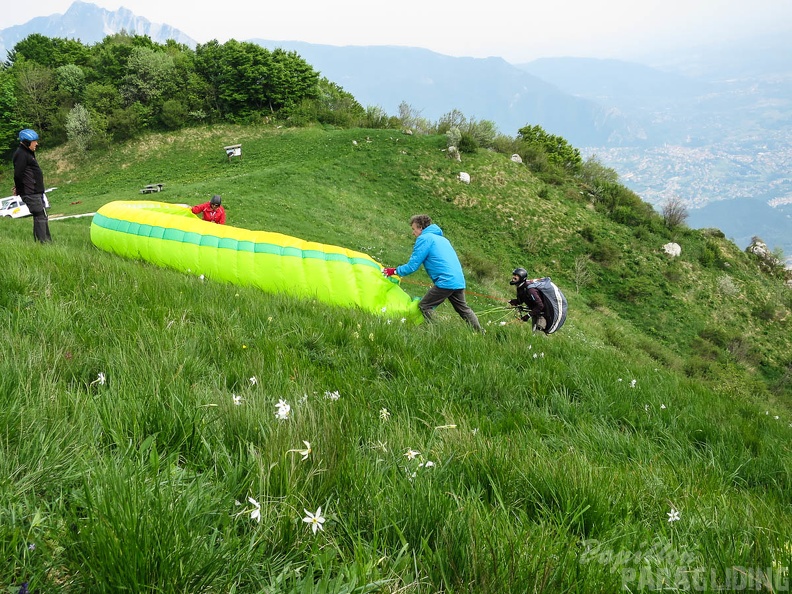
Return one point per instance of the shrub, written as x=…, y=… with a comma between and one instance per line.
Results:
x=674, y=212
x=765, y=311
x=505, y=145
x=78, y=127
x=621, y=204
x=593, y=172
x=581, y=272
x=376, y=117
x=726, y=286
x=124, y=124
x=605, y=253
x=174, y=114
x=557, y=149
x=587, y=233
x=453, y=137
x=635, y=289
x=467, y=143
x=708, y=256
x=673, y=274
x=484, y=132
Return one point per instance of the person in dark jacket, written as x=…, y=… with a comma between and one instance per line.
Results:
x=212, y=210
x=29, y=183
x=528, y=298
x=442, y=265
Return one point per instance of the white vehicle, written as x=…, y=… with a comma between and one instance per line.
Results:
x=13, y=207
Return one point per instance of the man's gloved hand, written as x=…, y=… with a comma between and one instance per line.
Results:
x=526, y=318
x=388, y=271
x=514, y=302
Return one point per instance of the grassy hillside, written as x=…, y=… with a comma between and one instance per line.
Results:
x=142, y=450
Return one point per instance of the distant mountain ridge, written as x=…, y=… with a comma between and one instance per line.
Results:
x=481, y=88
x=89, y=24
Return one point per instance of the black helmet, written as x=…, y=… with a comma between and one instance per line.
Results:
x=522, y=273
x=215, y=201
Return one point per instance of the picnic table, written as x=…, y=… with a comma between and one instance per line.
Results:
x=151, y=188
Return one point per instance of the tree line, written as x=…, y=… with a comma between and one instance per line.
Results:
x=125, y=85
x=128, y=84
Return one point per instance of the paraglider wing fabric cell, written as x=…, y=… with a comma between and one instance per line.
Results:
x=169, y=235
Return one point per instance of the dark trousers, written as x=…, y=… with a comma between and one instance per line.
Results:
x=35, y=204
x=435, y=296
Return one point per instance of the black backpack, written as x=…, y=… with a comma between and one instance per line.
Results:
x=554, y=301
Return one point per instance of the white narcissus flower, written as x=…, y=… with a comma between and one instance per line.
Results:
x=332, y=395
x=633, y=382
x=411, y=454
x=673, y=515
x=306, y=452
x=315, y=520
x=255, y=513
x=254, y=380
x=283, y=410
x=384, y=414
x=100, y=379
x=237, y=399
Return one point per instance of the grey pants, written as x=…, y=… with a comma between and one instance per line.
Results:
x=435, y=296
x=35, y=204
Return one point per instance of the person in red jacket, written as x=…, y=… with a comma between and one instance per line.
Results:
x=212, y=210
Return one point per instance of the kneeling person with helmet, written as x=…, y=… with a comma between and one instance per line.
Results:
x=212, y=210
x=528, y=298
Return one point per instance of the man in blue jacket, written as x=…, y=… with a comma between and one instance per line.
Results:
x=442, y=265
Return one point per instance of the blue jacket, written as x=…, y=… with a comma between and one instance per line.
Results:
x=438, y=258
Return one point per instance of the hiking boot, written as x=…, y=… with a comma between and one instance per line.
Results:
x=540, y=324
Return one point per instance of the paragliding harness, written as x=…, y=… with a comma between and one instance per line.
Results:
x=555, y=304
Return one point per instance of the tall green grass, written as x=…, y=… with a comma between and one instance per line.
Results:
x=126, y=465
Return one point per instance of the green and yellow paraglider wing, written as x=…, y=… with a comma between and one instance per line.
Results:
x=169, y=235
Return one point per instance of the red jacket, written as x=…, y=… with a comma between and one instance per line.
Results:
x=214, y=216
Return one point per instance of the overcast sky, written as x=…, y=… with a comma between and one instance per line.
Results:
x=516, y=30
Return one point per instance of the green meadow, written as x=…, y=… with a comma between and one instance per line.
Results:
x=163, y=432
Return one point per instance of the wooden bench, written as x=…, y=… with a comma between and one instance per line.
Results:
x=151, y=188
